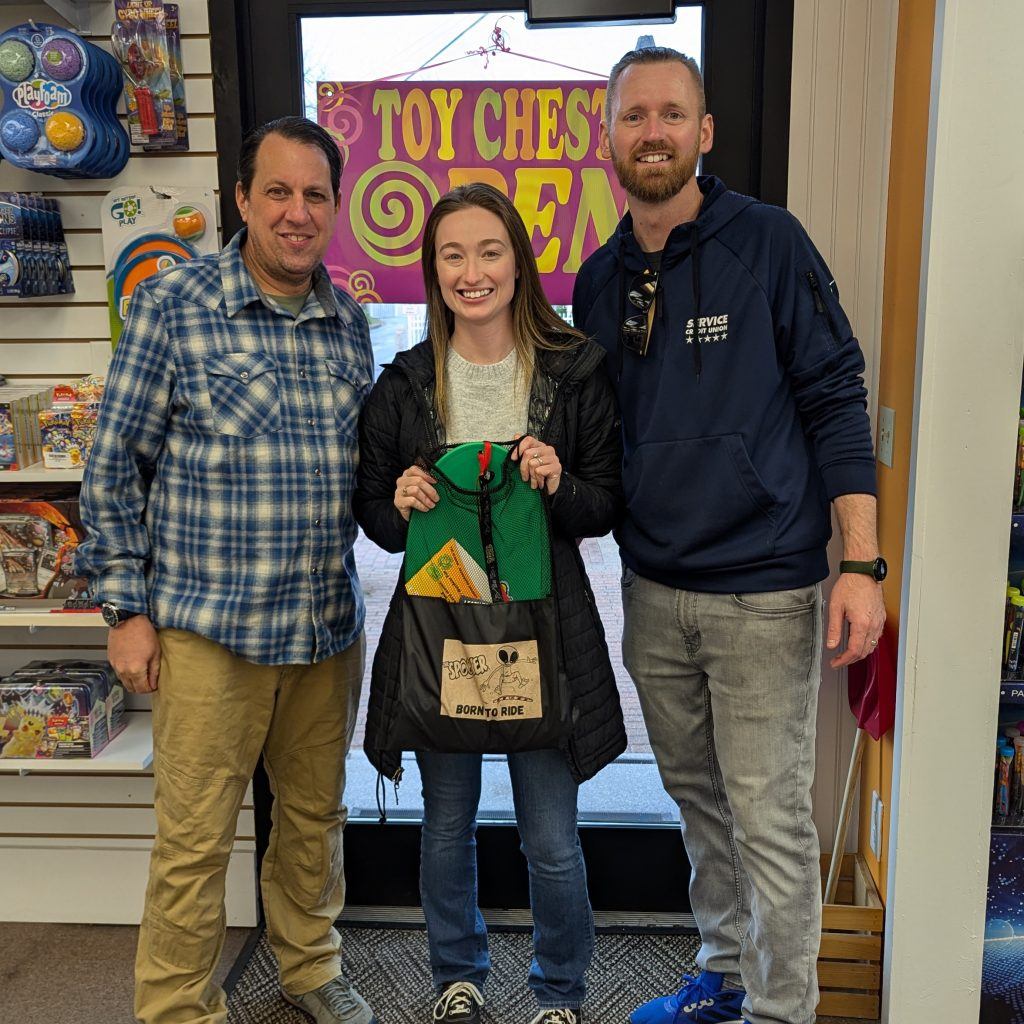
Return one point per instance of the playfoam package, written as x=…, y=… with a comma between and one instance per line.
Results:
x=58, y=104
x=148, y=230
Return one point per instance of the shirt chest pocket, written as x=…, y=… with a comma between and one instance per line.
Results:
x=244, y=393
x=350, y=387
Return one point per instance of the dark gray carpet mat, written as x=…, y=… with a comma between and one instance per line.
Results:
x=389, y=967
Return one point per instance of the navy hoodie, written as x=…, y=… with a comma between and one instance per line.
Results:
x=735, y=441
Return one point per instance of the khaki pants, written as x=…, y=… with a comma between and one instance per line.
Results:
x=213, y=715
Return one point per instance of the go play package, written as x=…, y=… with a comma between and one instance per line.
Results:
x=480, y=666
x=146, y=230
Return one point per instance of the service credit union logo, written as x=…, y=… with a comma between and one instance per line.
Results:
x=41, y=94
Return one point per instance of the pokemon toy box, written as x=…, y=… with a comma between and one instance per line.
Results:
x=55, y=709
x=39, y=531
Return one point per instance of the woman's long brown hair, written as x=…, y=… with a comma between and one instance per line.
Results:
x=534, y=323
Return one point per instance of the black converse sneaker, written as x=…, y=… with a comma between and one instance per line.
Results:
x=558, y=1016
x=459, y=1003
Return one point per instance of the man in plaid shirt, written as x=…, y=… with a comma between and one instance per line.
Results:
x=217, y=503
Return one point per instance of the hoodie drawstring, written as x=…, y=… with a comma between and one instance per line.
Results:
x=695, y=271
x=622, y=313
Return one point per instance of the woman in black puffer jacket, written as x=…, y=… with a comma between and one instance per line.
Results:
x=477, y=296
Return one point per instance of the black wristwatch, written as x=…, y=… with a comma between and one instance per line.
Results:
x=877, y=570
x=114, y=616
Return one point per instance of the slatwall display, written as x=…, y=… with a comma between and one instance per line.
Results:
x=76, y=841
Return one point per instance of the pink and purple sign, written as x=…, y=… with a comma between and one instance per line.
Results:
x=407, y=143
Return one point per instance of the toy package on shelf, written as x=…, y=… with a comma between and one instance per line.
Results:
x=172, y=23
x=57, y=709
x=68, y=428
x=33, y=252
x=143, y=48
x=146, y=230
x=20, y=443
x=40, y=528
x=58, y=104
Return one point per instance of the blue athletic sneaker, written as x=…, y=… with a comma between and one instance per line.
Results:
x=701, y=1000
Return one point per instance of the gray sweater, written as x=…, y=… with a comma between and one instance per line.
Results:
x=486, y=402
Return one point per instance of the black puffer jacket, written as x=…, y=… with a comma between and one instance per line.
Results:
x=571, y=408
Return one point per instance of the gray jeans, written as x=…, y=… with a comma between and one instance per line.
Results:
x=728, y=684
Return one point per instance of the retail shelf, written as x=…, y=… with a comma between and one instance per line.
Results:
x=131, y=751
x=38, y=473
x=78, y=13
x=36, y=617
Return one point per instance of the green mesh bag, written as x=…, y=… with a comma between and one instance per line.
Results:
x=487, y=538
x=480, y=668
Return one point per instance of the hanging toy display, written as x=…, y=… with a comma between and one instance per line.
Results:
x=146, y=40
x=172, y=24
x=58, y=104
x=146, y=230
x=33, y=253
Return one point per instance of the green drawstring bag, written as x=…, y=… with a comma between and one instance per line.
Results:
x=480, y=667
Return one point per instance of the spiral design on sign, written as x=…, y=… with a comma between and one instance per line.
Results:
x=340, y=114
x=330, y=94
x=387, y=210
x=361, y=286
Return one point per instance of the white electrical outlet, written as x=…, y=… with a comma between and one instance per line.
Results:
x=886, y=417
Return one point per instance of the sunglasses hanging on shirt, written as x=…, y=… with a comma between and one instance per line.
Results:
x=636, y=329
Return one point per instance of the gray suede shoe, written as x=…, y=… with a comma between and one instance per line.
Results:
x=337, y=1002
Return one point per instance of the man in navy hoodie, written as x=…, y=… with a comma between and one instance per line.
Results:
x=744, y=419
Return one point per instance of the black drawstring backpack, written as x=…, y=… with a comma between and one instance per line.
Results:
x=480, y=668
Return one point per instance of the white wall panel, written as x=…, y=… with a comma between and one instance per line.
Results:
x=102, y=882
x=844, y=55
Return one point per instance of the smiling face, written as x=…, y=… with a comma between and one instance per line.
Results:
x=655, y=133
x=290, y=212
x=476, y=268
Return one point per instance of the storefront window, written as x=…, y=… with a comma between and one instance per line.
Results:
x=476, y=49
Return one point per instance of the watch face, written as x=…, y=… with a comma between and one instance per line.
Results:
x=881, y=568
x=109, y=613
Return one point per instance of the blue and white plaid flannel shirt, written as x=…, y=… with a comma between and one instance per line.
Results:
x=218, y=495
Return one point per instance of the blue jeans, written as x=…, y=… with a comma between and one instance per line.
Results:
x=544, y=795
x=728, y=684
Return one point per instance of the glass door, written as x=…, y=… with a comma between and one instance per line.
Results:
x=395, y=89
